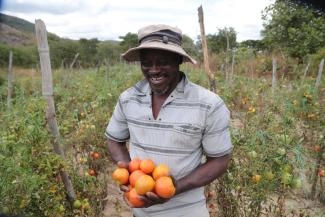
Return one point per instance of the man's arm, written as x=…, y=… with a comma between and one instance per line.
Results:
x=119, y=151
x=204, y=174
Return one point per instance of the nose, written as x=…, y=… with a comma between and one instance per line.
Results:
x=154, y=68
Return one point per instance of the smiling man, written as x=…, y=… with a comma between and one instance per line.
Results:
x=170, y=120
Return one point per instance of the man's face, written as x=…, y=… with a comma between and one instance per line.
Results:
x=161, y=69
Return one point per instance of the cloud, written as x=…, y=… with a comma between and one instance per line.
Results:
x=58, y=7
x=110, y=19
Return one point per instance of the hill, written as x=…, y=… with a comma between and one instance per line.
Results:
x=17, y=23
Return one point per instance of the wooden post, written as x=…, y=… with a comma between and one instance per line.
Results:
x=106, y=69
x=33, y=80
x=205, y=52
x=319, y=76
x=10, y=81
x=74, y=60
x=305, y=72
x=232, y=65
x=227, y=49
x=47, y=91
x=273, y=74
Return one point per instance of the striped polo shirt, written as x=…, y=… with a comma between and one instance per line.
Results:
x=192, y=122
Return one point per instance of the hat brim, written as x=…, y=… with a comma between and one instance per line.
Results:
x=133, y=54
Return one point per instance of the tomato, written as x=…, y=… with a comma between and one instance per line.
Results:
x=76, y=204
x=91, y=172
x=317, y=148
x=296, y=183
x=286, y=178
x=252, y=154
x=281, y=151
x=269, y=175
x=95, y=155
x=256, y=178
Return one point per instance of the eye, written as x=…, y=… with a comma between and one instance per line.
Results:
x=162, y=63
x=146, y=64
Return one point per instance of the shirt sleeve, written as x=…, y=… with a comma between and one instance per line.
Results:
x=216, y=139
x=117, y=128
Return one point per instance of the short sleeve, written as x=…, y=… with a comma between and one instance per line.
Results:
x=117, y=128
x=216, y=138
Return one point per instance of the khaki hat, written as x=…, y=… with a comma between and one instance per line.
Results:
x=162, y=37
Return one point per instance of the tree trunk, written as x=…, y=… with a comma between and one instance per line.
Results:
x=205, y=52
x=47, y=91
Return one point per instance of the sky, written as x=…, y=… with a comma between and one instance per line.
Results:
x=109, y=19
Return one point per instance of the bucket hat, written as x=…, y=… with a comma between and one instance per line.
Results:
x=162, y=37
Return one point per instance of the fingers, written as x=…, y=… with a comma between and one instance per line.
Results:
x=151, y=198
x=124, y=188
x=122, y=164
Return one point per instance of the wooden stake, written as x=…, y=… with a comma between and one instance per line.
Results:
x=10, y=80
x=305, y=72
x=227, y=49
x=205, y=52
x=74, y=60
x=273, y=74
x=232, y=65
x=319, y=76
x=47, y=91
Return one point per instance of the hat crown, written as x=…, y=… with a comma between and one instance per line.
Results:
x=147, y=30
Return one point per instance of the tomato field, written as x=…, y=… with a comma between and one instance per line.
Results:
x=278, y=160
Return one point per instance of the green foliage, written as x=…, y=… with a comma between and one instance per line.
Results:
x=253, y=44
x=128, y=41
x=22, y=56
x=272, y=138
x=109, y=51
x=218, y=42
x=88, y=51
x=189, y=47
x=62, y=51
x=293, y=28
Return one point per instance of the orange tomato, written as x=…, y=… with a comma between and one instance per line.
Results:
x=92, y=172
x=165, y=187
x=144, y=184
x=134, y=176
x=160, y=171
x=121, y=176
x=147, y=166
x=134, y=165
x=134, y=199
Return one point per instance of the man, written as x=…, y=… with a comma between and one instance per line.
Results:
x=170, y=120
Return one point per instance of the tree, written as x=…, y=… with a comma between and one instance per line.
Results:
x=128, y=41
x=295, y=29
x=253, y=44
x=88, y=51
x=109, y=50
x=189, y=47
x=62, y=51
x=226, y=37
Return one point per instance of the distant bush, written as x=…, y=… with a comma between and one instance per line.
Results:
x=22, y=56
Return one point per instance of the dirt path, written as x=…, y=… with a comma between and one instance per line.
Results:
x=115, y=207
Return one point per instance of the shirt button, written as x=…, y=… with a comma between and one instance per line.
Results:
x=159, y=119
